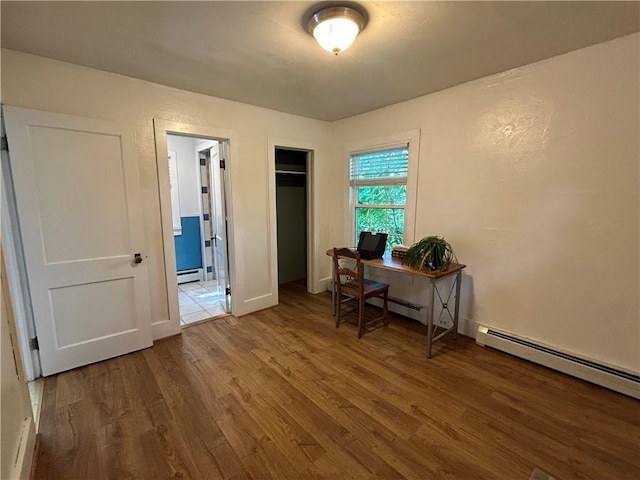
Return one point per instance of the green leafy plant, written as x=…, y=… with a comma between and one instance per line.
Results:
x=430, y=253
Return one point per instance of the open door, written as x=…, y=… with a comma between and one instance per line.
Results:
x=78, y=201
x=220, y=251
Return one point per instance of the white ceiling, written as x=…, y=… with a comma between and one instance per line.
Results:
x=259, y=53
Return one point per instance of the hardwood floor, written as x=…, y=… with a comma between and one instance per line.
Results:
x=283, y=394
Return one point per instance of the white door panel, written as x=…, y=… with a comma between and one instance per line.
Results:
x=80, y=169
x=67, y=301
x=78, y=200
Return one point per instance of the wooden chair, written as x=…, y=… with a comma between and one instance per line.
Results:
x=350, y=283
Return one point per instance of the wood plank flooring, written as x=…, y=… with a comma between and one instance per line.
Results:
x=283, y=394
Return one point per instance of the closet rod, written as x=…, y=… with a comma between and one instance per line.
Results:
x=291, y=172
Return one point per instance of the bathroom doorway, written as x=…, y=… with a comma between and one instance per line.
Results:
x=199, y=215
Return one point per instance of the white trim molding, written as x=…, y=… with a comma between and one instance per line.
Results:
x=412, y=138
x=21, y=469
x=171, y=325
x=313, y=285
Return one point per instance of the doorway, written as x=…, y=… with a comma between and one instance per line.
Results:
x=199, y=217
x=291, y=169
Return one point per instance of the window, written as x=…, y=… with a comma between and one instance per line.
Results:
x=378, y=182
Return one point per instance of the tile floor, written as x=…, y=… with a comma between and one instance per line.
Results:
x=199, y=301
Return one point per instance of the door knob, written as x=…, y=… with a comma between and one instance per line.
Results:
x=137, y=258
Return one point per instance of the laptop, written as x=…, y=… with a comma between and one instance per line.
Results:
x=371, y=245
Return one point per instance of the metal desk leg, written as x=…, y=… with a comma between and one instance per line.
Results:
x=430, y=317
x=457, y=303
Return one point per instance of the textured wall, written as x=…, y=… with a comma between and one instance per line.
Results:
x=527, y=173
x=34, y=82
x=532, y=175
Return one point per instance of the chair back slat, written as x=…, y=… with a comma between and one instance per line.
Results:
x=349, y=282
x=348, y=276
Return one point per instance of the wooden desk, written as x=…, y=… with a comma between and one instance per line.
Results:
x=394, y=264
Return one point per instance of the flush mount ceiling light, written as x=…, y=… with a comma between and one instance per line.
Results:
x=336, y=28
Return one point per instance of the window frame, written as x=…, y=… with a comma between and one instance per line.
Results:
x=355, y=189
x=411, y=140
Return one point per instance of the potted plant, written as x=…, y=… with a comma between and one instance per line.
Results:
x=430, y=253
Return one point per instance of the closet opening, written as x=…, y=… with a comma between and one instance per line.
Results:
x=292, y=169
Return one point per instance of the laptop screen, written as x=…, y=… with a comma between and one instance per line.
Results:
x=372, y=244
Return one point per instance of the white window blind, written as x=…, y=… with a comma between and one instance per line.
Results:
x=391, y=166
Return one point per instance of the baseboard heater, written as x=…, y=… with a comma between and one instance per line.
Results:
x=404, y=303
x=376, y=301
x=614, y=379
x=193, y=275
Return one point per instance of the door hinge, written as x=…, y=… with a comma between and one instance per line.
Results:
x=227, y=291
x=33, y=344
x=223, y=164
x=4, y=144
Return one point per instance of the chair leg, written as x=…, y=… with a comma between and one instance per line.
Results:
x=360, y=315
x=338, y=304
x=385, y=310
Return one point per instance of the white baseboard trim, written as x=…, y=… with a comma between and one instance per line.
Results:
x=467, y=327
x=165, y=328
x=587, y=369
x=36, y=393
x=322, y=285
x=26, y=449
x=327, y=282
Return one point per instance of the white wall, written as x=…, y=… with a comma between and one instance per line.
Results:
x=188, y=172
x=530, y=175
x=44, y=84
x=527, y=173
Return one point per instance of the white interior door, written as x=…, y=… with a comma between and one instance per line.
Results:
x=78, y=200
x=221, y=259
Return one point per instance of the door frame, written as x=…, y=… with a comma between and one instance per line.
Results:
x=310, y=150
x=16, y=279
x=208, y=144
x=171, y=325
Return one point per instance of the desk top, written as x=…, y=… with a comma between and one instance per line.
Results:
x=395, y=264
